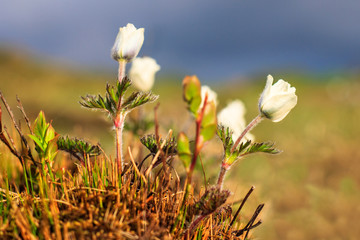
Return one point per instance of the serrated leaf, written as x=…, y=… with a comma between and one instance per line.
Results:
x=192, y=93
x=110, y=101
x=261, y=147
x=231, y=157
x=122, y=86
x=137, y=99
x=183, y=148
x=111, y=93
x=243, y=146
x=226, y=136
x=149, y=141
x=77, y=147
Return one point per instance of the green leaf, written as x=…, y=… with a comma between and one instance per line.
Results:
x=114, y=95
x=38, y=142
x=77, y=147
x=51, y=150
x=122, y=87
x=50, y=134
x=243, y=146
x=192, y=93
x=208, y=132
x=137, y=99
x=40, y=126
x=226, y=136
x=44, y=135
x=261, y=147
x=149, y=141
x=183, y=148
x=111, y=99
x=208, y=123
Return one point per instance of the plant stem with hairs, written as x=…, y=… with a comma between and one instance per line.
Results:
x=119, y=120
x=251, y=125
x=226, y=166
x=121, y=70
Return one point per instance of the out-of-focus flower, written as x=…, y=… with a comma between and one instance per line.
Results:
x=128, y=43
x=277, y=100
x=212, y=96
x=142, y=73
x=232, y=116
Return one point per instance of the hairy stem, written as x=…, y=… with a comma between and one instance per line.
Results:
x=223, y=170
x=251, y=125
x=119, y=121
x=119, y=125
x=225, y=166
x=121, y=71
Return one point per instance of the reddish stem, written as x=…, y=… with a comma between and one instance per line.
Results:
x=119, y=125
x=119, y=120
x=198, y=144
x=121, y=71
x=224, y=168
x=251, y=125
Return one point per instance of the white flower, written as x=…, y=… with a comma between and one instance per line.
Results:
x=212, y=96
x=142, y=73
x=233, y=117
x=277, y=100
x=128, y=43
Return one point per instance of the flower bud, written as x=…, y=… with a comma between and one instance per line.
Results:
x=142, y=73
x=128, y=43
x=277, y=100
x=233, y=117
x=212, y=96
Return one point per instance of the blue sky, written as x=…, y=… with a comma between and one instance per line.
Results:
x=213, y=39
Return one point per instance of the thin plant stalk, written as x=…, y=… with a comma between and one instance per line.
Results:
x=226, y=166
x=251, y=125
x=121, y=70
x=119, y=126
x=223, y=170
x=198, y=146
x=119, y=121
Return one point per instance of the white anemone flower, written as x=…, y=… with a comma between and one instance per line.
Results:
x=277, y=100
x=128, y=43
x=142, y=73
x=233, y=117
x=212, y=96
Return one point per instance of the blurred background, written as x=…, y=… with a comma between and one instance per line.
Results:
x=51, y=53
